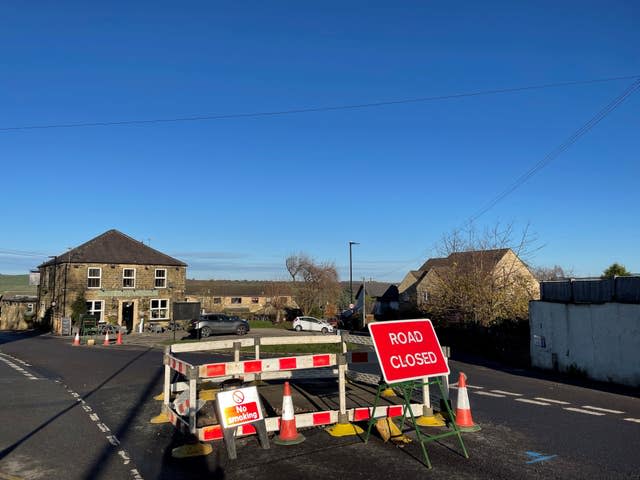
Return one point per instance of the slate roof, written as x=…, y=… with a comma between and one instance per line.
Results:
x=489, y=259
x=115, y=247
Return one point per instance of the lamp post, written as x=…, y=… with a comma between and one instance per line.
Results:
x=351, y=270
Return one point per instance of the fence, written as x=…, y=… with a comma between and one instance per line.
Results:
x=601, y=290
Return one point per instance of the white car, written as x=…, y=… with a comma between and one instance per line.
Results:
x=311, y=324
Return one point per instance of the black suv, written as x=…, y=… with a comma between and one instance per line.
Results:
x=211, y=323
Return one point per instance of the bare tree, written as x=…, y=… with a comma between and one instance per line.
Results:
x=551, y=273
x=294, y=264
x=277, y=293
x=482, y=276
x=318, y=286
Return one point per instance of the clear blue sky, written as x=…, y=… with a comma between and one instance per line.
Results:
x=233, y=197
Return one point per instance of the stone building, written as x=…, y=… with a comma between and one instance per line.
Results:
x=122, y=281
x=17, y=312
x=501, y=269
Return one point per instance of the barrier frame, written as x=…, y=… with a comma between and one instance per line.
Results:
x=195, y=373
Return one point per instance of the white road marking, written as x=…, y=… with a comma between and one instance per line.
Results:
x=636, y=420
x=534, y=402
x=17, y=368
x=580, y=410
x=550, y=400
x=507, y=393
x=606, y=410
x=126, y=459
x=489, y=394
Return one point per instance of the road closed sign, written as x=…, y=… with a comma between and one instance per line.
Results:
x=408, y=350
x=238, y=407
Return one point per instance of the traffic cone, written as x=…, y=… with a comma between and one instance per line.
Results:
x=464, y=421
x=76, y=340
x=119, y=338
x=288, y=433
x=106, y=339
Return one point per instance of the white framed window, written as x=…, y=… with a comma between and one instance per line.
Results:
x=425, y=296
x=159, y=309
x=94, y=277
x=95, y=308
x=161, y=278
x=128, y=278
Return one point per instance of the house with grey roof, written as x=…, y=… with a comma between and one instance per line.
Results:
x=500, y=266
x=122, y=281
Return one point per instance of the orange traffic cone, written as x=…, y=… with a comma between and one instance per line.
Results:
x=464, y=421
x=119, y=338
x=106, y=339
x=288, y=433
x=76, y=340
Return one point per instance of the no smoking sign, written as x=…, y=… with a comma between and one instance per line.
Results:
x=239, y=407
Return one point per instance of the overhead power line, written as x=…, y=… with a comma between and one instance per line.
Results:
x=556, y=152
x=200, y=118
x=552, y=155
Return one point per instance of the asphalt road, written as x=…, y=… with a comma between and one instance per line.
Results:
x=83, y=413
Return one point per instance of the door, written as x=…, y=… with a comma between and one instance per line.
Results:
x=127, y=315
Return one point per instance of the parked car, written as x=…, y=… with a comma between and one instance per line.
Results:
x=311, y=324
x=113, y=330
x=213, y=323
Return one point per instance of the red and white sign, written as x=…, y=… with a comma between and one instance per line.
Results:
x=408, y=350
x=239, y=407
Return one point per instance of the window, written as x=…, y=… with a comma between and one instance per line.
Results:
x=93, y=277
x=159, y=309
x=94, y=307
x=425, y=296
x=161, y=278
x=236, y=300
x=217, y=300
x=129, y=278
x=255, y=300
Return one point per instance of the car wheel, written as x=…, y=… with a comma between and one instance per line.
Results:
x=324, y=330
x=241, y=330
x=205, y=332
x=298, y=328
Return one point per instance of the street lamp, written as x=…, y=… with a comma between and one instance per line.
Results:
x=351, y=270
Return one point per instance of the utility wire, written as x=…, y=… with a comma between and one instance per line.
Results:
x=556, y=152
x=199, y=118
x=552, y=155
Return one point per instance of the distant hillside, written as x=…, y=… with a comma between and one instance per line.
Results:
x=16, y=284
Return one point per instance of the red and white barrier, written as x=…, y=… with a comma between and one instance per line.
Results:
x=187, y=404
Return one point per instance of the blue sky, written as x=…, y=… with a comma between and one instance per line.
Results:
x=234, y=197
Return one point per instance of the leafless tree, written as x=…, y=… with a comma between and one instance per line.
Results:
x=317, y=286
x=478, y=281
x=551, y=273
x=277, y=293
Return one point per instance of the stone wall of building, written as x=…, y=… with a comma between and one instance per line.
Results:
x=135, y=298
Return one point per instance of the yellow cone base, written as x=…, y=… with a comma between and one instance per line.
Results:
x=344, y=430
x=388, y=392
x=207, y=395
x=160, y=397
x=162, y=418
x=431, y=421
x=192, y=450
